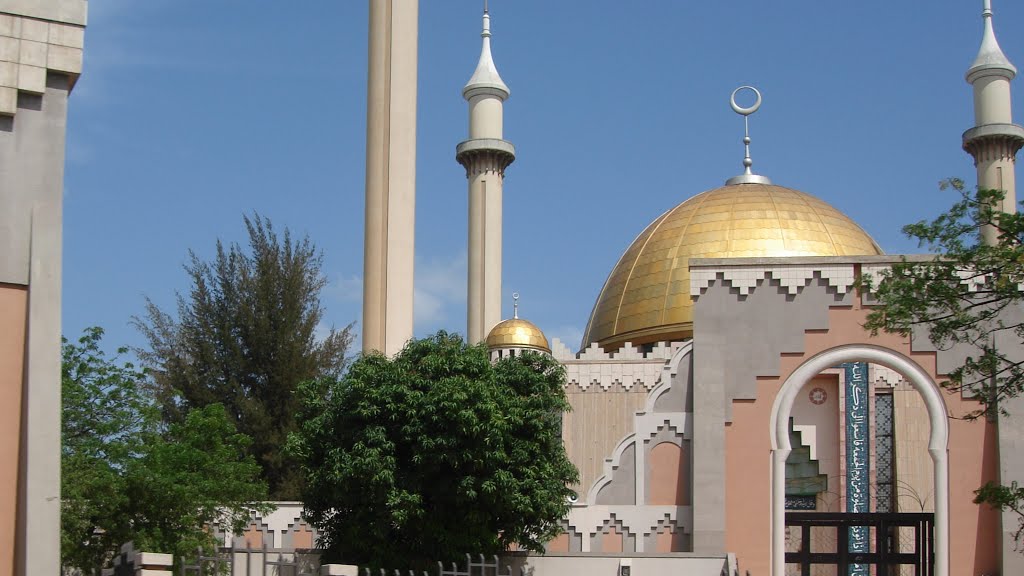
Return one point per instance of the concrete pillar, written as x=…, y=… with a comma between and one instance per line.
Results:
x=485, y=162
x=390, y=176
x=40, y=58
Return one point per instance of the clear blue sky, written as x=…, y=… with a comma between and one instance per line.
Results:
x=193, y=112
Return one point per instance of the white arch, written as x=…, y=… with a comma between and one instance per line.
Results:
x=937, y=443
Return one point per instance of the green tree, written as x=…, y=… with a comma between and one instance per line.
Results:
x=245, y=336
x=195, y=474
x=106, y=419
x=968, y=296
x=125, y=476
x=435, y=453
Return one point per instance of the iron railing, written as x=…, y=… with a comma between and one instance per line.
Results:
x=887, y=549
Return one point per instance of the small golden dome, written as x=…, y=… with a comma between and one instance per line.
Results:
x=647, y=296
x=517, y=333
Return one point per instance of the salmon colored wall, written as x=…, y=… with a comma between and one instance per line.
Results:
x=972, y=458
x=560, y=543
x=302, y=537
x=670, y=540
x=13, y=302
x=668, y=476
x=611, y=541
x=253, y=537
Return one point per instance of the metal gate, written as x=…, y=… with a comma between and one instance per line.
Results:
x=252, y=562
x=895, y=539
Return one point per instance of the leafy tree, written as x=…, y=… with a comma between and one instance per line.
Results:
x=932, y=297
x=245, y=336
x=195, y=474
x=125, y=477
x=933, y=294
x=435, y=453
x=106, y=419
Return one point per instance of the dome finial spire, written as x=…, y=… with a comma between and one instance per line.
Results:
x=990, y=59
x=748, y=176
x=515, y=305
x=486, y=79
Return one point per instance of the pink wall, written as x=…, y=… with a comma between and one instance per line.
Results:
x=972, y=458
x=668, y=476
x=13, y=302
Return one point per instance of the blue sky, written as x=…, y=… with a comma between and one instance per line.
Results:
x=191, y=113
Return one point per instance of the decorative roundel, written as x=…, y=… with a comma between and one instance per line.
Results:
x=818, y=396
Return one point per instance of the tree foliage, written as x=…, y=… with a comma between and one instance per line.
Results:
x=106, y=419
x=435, y=453
x=125, y=477
x=194, y=474
x=968, y=296
x=245, y=336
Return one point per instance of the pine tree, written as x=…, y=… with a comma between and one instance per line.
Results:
x=245, y=336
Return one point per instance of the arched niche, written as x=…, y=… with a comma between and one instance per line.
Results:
x=937, y=444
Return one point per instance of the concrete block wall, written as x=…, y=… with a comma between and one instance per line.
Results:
x=36, y=38
x=41, y=45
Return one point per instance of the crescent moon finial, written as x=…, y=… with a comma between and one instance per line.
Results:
x=515, y=304
x=748, y=176
x=741, y=110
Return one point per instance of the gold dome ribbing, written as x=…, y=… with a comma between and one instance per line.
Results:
x=517, y=333
x=647, y=296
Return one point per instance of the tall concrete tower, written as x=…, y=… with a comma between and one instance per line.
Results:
x=995, y=139
x=994, y=142
x=390, y=176
x=485, y=155
x=40, y=59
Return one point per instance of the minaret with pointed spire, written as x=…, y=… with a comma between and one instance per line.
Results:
x=995, y=139
x=485, y=155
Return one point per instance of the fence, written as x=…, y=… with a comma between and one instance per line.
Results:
x=824, y=539
x=253, y=562
x=271, y=562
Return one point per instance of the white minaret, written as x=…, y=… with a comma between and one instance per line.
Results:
x=485, y=155
x=994, y=142
x=995, y=139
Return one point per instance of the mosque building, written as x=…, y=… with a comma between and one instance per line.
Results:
x=725, y=385
x=730, y=414
x=725, y=391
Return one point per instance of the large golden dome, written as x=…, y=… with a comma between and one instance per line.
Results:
x=647, y=296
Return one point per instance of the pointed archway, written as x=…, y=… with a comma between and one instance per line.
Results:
x=937, y=444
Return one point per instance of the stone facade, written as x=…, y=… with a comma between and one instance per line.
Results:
x=40, y=59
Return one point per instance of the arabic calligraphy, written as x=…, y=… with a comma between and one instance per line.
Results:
x=857, y=470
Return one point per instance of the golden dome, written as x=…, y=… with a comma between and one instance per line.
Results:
x=647, y=296
x=517, y=333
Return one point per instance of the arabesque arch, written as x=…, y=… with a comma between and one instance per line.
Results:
x=937, y=443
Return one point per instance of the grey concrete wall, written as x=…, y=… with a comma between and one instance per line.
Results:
x=679, y=397
x=31, y=192
x=736, y=339
x=47, y=36
x=622, y=489
x=66, y=11
x=31, y=173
